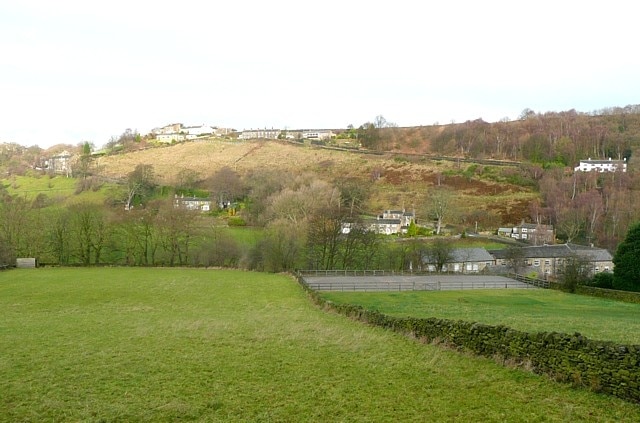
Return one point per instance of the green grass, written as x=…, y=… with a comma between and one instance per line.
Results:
x=57, y=188
x=155, y=345
x=526, y=310
x=29, y=186
x=246, y=236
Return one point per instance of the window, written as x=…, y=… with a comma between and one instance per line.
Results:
x=536, y=262
x=547, y=262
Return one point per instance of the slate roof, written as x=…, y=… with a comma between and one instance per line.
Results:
x=463, y=255
x=468, y=255
x=559, y=251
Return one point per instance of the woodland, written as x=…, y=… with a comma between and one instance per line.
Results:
x=294, y=207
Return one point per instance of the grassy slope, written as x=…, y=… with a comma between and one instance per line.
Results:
x=59, y=189
x=174, y=344
x=403, y=183
x=528, y=310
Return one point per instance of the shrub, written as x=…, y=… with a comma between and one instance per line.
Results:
x=602, y=280
x=236, y=221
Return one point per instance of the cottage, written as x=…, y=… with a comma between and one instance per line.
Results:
x=192, y=203
x=385, y=226
x=405, y=217
x=601, y=165
x=60, y=164
x=464, y=260
x=533, y=233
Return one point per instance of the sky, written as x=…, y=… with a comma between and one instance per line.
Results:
x=75, y=71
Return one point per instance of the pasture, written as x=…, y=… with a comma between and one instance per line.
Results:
x=530, y=310
x=133, y=344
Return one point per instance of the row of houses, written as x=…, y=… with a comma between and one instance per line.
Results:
x=546, y=261
x=274, y=134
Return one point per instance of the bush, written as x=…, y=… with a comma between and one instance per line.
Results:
x=236, y=221
x=602, y=280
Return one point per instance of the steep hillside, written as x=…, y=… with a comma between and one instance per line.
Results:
x=398, y=181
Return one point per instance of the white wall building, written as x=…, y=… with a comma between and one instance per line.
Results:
x=601, y=165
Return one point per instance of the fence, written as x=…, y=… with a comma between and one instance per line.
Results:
x=540, y=283
x=380, y=280
x=351, y=273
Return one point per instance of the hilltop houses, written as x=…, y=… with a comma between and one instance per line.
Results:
x=177, y=132
x=269, y=134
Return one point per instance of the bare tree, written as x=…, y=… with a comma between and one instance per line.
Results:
x=226, y=186
x=439, y=253
x=324, y=237
x=187, y=179
x=514, y=256
x=353, y=194
x=140, y=184
x=177, y=230
x=90, y=231
x=282, y=247
x=439, y=204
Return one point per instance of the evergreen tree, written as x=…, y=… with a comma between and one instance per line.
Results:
x=626, y=273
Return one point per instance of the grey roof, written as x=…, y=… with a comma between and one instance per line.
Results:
x=461, y=255
x=602, y=161
x=559, y=251
x=383, y=221
x=534, y=226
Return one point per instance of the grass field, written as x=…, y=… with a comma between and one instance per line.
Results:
x=526, y=310
x=118, y=344
x=30, y=186
x=58, y=189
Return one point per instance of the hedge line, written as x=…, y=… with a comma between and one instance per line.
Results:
x=612, y=294
x=597, y=365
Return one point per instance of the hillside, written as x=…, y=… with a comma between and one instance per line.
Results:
x=399, y=181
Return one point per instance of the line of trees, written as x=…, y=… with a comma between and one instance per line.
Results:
x=560, y=137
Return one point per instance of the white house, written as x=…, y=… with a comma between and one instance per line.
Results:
x=60, y=164
x=601, y=165
x=192, y=203
x=198, y=130
x=317, y=134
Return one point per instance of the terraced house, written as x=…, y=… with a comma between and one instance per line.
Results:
x=549, y=260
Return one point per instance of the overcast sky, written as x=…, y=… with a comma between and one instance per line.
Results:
x=73, y=71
